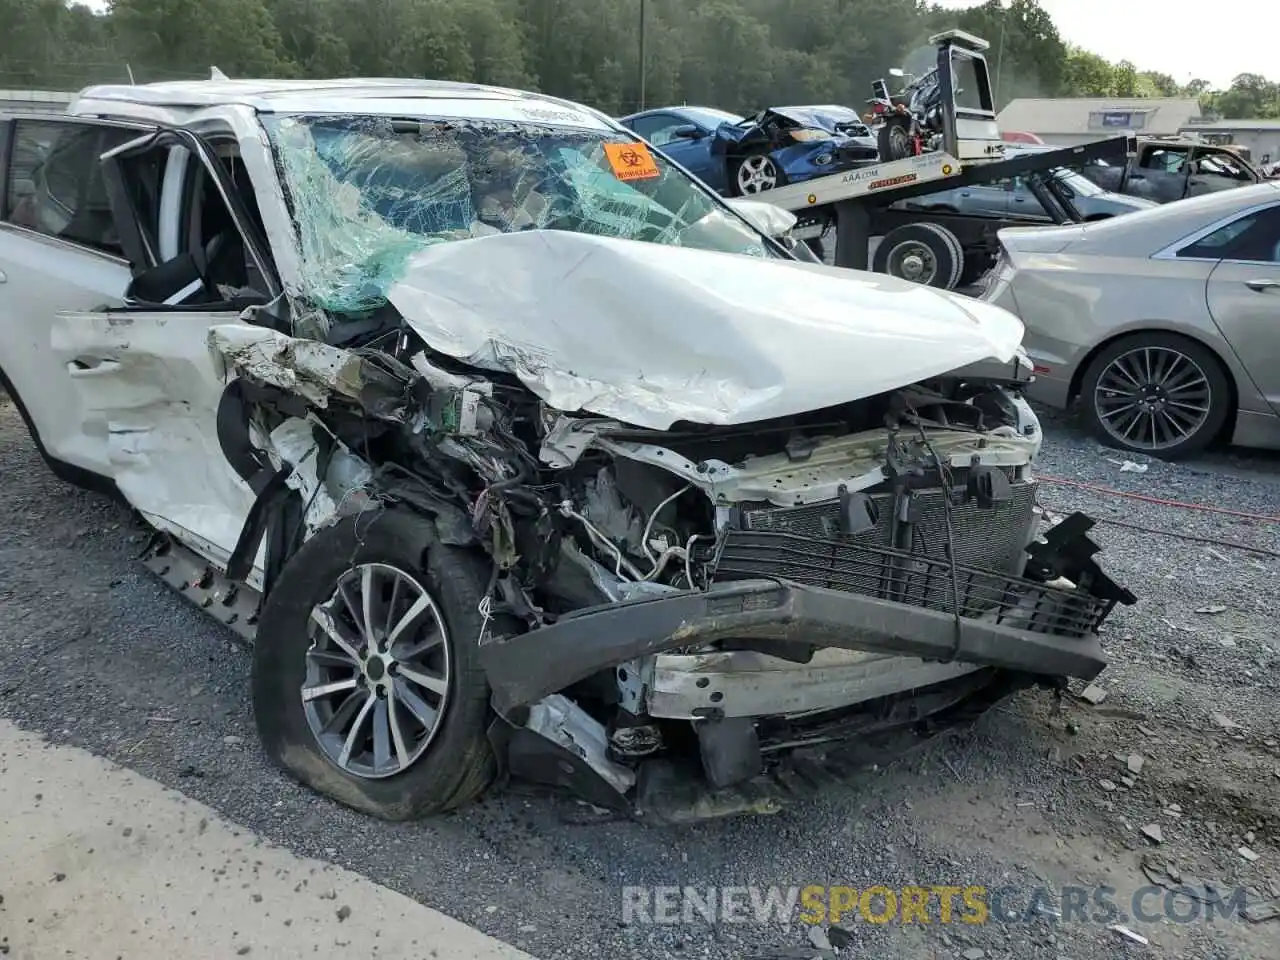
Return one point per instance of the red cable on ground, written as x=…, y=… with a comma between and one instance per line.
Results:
x=1157, y=500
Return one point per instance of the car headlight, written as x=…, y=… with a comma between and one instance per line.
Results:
x=808, y=136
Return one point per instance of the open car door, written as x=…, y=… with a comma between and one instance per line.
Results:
x=144, y=371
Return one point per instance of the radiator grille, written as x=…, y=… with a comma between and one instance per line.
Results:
x=990, y=538
x=888, y=574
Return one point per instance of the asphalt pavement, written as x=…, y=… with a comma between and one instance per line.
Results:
x=96, y=655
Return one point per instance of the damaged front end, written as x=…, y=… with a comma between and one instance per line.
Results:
x=686, y=619
x=807, y=139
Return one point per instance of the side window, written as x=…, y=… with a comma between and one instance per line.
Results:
x=55, y=182
x=1221, y=165
x=1165, y=160
x=657, y=129
x=1254, y=237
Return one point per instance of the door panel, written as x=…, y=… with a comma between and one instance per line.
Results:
x=41, y=278
x=151, y=381
x=1024, y=204
x=1244, y=300
x=695, y=156
x=988, y=200
x=57, y=252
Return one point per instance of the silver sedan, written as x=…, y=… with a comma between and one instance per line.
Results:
x=1164, y=324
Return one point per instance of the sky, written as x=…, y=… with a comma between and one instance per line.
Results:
x=1185, y=40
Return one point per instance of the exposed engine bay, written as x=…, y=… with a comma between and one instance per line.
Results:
x=691, y=605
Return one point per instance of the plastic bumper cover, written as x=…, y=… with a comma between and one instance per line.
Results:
x=524, y=668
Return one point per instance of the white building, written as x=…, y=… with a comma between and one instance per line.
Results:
x=1073, y=120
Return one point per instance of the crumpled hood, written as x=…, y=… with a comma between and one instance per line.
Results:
x=651, y=334
x=832, y=119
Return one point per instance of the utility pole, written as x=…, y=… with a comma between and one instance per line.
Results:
x=1000, y=59
x=644, y=23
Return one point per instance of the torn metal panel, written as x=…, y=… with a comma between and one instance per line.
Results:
x=564, y=723
x=853, y=462
x=744, y=683
x=345, y=477
x=314, y=371
x=856, y=462
x=569, y=437
x=308, y=368
x=716, y=340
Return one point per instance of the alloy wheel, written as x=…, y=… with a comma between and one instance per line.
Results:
x=757, y=173
x=1153, y=398
x=377, y=672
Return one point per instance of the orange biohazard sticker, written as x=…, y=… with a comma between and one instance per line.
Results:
x=631, y=161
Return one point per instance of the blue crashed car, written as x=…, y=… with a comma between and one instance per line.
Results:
x=740, y=155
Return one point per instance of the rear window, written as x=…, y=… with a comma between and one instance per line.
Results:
x=1254, y=237
x=54, y=182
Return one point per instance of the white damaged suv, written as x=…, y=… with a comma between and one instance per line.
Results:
x=516, y=451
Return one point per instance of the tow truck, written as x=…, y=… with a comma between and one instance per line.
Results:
x=870, y=209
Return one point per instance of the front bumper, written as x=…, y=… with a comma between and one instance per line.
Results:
x=524, y=668
x=856, y=154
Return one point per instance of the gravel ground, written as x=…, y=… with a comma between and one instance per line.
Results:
x=96, y=653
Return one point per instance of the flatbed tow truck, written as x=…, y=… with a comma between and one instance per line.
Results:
x=870, y=207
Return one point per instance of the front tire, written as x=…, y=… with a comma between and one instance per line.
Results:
x=1156, y=393
x=894, y=139
x=366, y=682
x=754, y=173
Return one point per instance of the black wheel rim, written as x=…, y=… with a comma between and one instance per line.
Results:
x=1153, y=398
x=913, y=260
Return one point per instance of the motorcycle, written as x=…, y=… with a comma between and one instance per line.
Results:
x=910, y=123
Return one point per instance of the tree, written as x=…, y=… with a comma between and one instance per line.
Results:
x=1088, y=75
x=1250, y=95
x=1126, y=79
x=1027, y=54
x=310, y=36
x=187, y=37
x=1154, y=84
x=733, y=54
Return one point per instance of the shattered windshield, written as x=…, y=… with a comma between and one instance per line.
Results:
x=369, y=192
